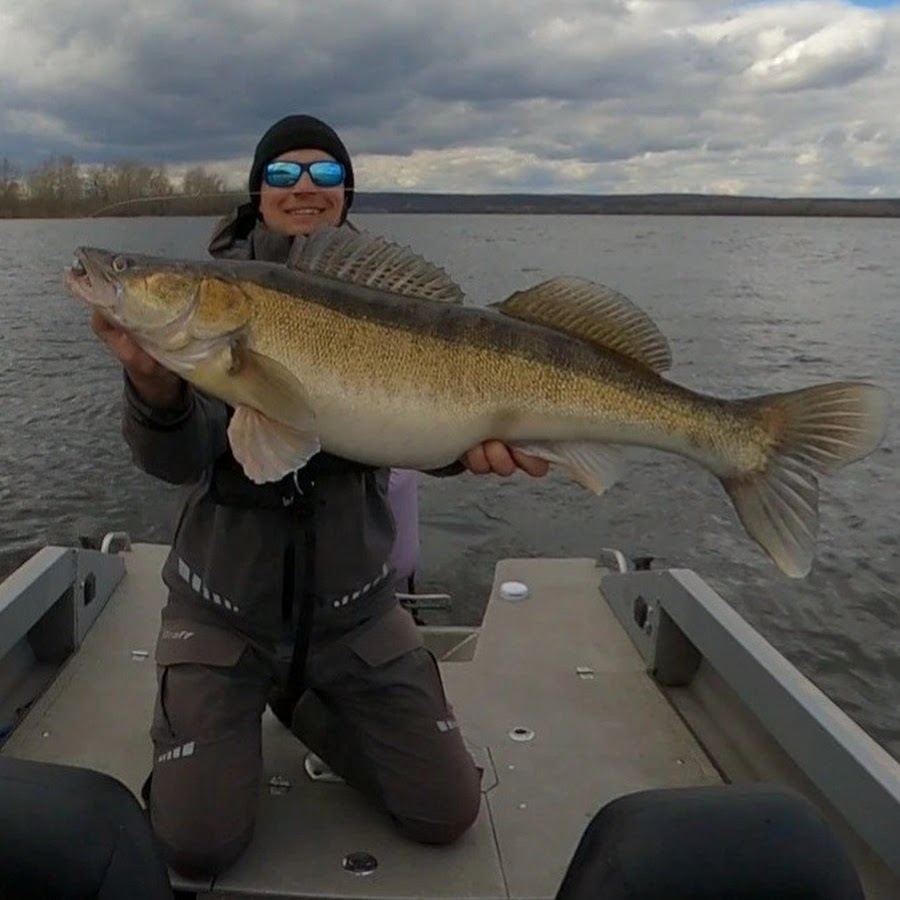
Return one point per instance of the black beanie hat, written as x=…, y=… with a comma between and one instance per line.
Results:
x=299, y=132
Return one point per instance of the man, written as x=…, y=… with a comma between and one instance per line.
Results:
x=283, y=591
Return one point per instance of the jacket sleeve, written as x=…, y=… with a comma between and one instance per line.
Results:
x=175, y=445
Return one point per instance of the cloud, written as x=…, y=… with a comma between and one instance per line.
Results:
x=572, y=95
x=794, y=47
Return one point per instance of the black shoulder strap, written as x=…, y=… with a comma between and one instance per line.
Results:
x=283, y=701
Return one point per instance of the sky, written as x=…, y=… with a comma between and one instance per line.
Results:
x=760, y=97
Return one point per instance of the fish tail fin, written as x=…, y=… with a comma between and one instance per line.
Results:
x=816, y=431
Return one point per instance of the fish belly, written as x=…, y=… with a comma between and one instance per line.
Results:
x=392, y=431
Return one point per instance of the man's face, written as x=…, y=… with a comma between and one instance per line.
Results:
x=304, y=206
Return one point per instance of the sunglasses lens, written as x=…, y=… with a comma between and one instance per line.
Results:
x=283, y=174
x=326, y=173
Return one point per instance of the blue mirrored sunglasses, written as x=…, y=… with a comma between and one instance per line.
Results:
x=286, y=173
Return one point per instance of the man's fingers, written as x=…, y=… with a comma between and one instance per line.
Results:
x=476, y=461
x=496, y=457
x=101, y=326
x=499, y=458
x=533, y=465
x=125, y=349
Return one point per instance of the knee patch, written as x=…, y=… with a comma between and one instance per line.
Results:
x=452, y=813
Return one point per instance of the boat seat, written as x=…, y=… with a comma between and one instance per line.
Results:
x=740, y=842
x=72, y=832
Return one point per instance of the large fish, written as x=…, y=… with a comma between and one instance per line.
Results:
x=363, y=349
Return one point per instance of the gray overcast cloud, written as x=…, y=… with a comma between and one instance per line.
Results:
x=792, y=97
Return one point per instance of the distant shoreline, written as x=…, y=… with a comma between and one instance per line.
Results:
x=509, y=204
x=626, y=204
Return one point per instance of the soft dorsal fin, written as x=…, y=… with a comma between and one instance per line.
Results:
x=593, y=313
x=360, y=258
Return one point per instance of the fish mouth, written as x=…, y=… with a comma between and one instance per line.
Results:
x=89, y=277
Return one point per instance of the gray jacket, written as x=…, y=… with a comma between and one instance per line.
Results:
x=245, y=554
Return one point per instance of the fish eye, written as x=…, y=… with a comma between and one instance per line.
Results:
x=119, y=264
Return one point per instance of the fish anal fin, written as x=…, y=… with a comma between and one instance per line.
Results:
x=595, y=466
x=369, y=260
x=594, y=313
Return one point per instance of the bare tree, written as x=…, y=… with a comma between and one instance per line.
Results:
x=56, y=185
x=198, y=181
x=10, y=188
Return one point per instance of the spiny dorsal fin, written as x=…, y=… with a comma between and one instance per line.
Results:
x=360, y=258
x=594, y=313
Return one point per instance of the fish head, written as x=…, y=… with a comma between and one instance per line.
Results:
x=135, y=292
x=163, y=303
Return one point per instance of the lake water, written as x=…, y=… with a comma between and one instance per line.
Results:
x=749, y=306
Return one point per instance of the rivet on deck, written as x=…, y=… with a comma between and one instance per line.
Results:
x=514, y=590
x=360, y=863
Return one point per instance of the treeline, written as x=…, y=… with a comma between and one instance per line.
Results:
x=61, y=187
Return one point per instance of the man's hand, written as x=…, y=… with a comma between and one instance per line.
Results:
x=496, y=457
x=156, y=385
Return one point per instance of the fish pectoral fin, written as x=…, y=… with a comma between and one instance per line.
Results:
x=594, y=313
x=268, y=450
x=595, y=466
x=365, y=259
x=273, y=430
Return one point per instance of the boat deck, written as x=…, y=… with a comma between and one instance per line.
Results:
x=557, y=665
